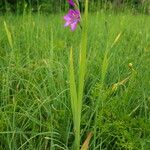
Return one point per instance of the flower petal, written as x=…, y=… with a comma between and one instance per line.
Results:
x=67, y=17
x=67, y=24
x=74, y=25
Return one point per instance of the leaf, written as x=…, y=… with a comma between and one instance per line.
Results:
x=85, y=145
x=73, y=91
x=8, y=35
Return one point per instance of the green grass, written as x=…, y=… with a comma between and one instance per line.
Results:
x=35, y=109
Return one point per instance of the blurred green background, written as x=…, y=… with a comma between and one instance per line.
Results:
x=53, y=6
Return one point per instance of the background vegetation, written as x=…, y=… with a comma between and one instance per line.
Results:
x=61, y=5
x=35, y=111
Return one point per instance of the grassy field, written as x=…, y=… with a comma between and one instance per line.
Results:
x=35, y=111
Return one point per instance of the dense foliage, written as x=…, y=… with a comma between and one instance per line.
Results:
x=35, y=111
x=61, y=5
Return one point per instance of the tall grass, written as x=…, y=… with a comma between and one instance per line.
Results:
x=35, y=110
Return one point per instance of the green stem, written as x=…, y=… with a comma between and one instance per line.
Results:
x=82, y=71
x=77, y=96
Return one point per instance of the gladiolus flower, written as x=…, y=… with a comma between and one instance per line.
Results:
x=72, y=19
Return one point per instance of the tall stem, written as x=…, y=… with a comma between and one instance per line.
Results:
x=77, y=95
x=82, y=71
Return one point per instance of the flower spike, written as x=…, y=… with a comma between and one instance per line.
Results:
x=72, y=19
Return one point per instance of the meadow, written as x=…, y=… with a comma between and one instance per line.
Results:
x=35, y=109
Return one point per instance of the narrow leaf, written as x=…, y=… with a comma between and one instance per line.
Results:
x=73, y=91
x=85, y=145
x=8, y=35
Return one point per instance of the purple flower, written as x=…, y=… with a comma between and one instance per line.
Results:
x=72, y=19
x=71, y=3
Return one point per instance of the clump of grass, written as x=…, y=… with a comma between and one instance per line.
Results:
x=34, y=87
